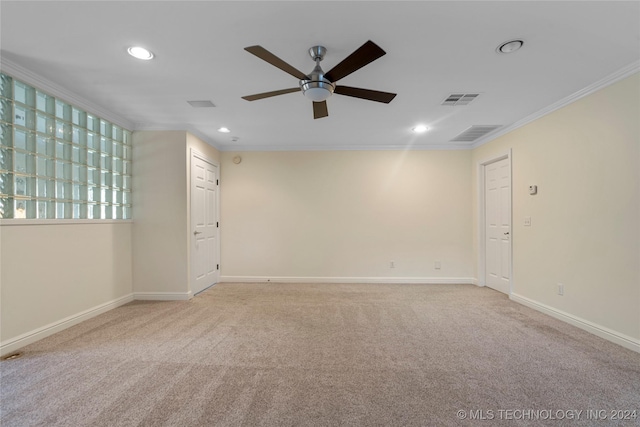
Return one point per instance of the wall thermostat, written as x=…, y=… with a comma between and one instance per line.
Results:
x=533, y=189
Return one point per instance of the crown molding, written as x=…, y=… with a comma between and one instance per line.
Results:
x=41, y=83
x=612, y=78
x=31, y=78
x=324, y=147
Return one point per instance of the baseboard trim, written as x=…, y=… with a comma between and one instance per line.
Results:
x=162, y=296
x=20, y=341
x=405, y=280
x=601, y=331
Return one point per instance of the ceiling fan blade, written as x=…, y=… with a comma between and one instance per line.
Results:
x=365, y=54
x=368, y=94
x=265, y=55
x=270, y=94
x=320, y=110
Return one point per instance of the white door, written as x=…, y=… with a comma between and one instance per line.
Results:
x=497, y=193
x=204, y=224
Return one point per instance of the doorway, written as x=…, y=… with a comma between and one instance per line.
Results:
x=495, y=223
x=205, y=225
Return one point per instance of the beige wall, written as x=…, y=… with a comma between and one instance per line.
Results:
x=161, y=212
x=585, y=160
x=346, y=214
x=52, y=272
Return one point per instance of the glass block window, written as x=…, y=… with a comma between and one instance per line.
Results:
x=58, y=161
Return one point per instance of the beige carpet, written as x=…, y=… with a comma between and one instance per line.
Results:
x=321, y=355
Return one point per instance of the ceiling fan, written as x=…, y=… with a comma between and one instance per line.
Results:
x=318, y=85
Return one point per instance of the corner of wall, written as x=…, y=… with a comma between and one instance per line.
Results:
x=160, y=254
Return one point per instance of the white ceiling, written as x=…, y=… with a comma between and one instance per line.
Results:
x=433, y=49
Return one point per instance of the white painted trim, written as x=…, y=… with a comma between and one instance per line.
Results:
x=46, y=85
x=496, y=157
x=481, y=216
x=162, y=296
x=204, y=158
x=598, y=330
x=344, y=147
x=612, y=78
x=406, y=280
x=6, y=222
x=20, y=341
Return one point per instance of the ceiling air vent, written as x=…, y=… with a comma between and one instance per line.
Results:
x=201, y=104
x=456, y=99
x=475, y=132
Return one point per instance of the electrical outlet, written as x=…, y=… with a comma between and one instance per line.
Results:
x=527, y=221
x=392, y=264
x=437, y=265
x=560, y=289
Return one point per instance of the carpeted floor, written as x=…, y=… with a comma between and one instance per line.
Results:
x=322, y=355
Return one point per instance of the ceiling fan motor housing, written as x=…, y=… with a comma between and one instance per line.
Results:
x=316, y=87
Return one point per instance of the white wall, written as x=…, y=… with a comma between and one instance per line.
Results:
x=345, y=215
x=52, y=275
x=585, y=160
x=161, y=212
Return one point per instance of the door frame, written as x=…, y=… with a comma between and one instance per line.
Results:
x=194, y=153
x=482, y=253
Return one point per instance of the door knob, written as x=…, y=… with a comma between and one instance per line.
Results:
x=195, y=233
x=506, y=234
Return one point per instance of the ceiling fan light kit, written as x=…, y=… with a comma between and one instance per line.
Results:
x=318, y=86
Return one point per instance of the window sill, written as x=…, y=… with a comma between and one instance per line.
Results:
x=14, y=222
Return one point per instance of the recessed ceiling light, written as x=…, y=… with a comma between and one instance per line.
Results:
x=510, y=46
x=140, y=52
x=420, y=129
x=224, y=130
